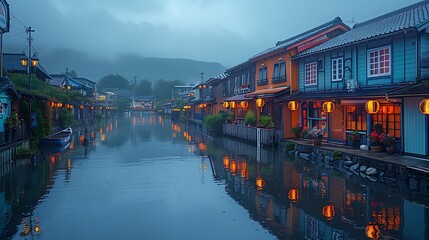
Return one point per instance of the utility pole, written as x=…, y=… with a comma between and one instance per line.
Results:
x=29, y=64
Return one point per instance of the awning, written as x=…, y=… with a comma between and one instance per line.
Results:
x=419, y=89
x=241, y=97
x=269, y=92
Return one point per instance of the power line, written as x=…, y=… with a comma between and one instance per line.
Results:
x=13, y=15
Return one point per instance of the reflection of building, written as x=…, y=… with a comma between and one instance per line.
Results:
x=144, y=103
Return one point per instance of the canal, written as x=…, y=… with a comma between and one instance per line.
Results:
x=144, y=177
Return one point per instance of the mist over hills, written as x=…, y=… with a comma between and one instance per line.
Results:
x=130, y=66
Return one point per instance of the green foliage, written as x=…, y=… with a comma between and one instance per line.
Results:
x=144, y=88
x=297, y=130
x=66, y=117
x=113, y=81
x=214, y=122
x=162, y=88
x=290, y=146
x=266, y=122
x=250, y=118
x=12, y=122
x=337, y=155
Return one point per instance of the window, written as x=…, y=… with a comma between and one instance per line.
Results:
x=245, y=80
x=311, y=74
x=262, y=76
x=390, y=117
x=379, y=62
x=237, y=81
x=337, y=69
x=279, y=74
x=356, y=118
x=1, y=108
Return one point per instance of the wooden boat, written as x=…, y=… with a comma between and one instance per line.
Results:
x=60, y=138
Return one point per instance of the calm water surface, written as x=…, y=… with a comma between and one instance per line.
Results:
x=142, y=177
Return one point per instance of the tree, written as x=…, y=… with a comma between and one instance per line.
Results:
x=113, y=81
x=144, y=88
x=73, y=73
x=162, y=88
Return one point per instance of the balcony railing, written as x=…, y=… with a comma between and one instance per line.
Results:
x=9, y=136
x=269, y=137
x=279, y=79
x=262, y=82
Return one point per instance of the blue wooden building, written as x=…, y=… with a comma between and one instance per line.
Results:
x=386, y=60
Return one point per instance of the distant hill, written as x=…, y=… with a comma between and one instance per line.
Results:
x=129, y=66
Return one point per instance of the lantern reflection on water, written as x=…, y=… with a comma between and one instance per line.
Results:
x=293, y=195
x=328, y=212
x=233, y=167
x=226, y=162
x=244, y=173
x=260, y=183
x=372, y=231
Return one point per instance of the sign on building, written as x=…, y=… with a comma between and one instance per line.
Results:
x=4, y=16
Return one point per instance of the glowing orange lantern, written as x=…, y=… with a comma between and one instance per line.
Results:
x=260, y=183
x=202, y=147
x=101, y=108
x=51, y=104
x=66, y=105
x=244, y=104
x=260, y=102
x=372, y=107
x=225, y=104
x=293, y=195
x=81, y=106
x=293, y=105
x=372, y=231
x=232, y=104
x=328, y=106
x=387, y=109
x=244, y=173
x=424, y=106
x=233, y=167
x=329, y=212
x=226, y=162
x=58, y=105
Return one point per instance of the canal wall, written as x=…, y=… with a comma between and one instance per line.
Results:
x=402, y=176
x=8, y=156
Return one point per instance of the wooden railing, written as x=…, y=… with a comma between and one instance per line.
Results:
x=269, y=137
x=9, y=137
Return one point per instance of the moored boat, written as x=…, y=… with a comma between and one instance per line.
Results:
x=60, y=138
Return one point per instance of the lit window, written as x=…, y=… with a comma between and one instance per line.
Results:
x=311, y=74
x=337, y=69
x=379, y=62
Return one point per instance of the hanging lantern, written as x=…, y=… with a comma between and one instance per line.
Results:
x=81, y=106
x=293, y=195
x=260, y=183
x=387, y=109
x=293, y=105
x=372, y=231
x=328, y=106
x=58, y=105
x=51, y=104
x=372, y=107
x=232, y=104
x=225, y=104
x=328, y=211
x=66, y=105
x=226, y=162
x=244, y=104
x=424, y=106
x=202, y=147
x=101, y=108
x=260, y=102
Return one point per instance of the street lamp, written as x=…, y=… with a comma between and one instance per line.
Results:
x=28, y=63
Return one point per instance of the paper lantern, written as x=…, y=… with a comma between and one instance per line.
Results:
x=260, y=102
x=51, y=104
x=372, y=107
x=232, y=104
x=328, y=106
x=260, y=183
x=329, y=212
x=424, y=106
x=81, y=106
x=244, y=104
x=387, y=109
x=293, y=195
x=225, y=104
x=293, y=105
x=58, y=105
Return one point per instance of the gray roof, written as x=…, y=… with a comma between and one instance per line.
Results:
x=290, y=41
x=12, y=62
x=413, y=16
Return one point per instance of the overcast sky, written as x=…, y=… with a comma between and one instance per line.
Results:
x=224, y=31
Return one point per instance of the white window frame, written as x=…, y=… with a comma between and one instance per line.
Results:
x=379, y=60
x=337, y=71
x=310, y=74
x=1, y=108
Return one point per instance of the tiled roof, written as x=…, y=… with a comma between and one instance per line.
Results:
x=412, y=16
x=290, y=41
x=12, y=62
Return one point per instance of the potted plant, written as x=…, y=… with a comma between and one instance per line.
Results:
x=12, y=122
x=297, y=130
x=304, y=132
x=389, y=141
x=377, y=138
x=250, y=118
x=354, y=138
x=317, y=135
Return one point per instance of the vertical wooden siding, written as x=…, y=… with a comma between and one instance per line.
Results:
x=415, y=128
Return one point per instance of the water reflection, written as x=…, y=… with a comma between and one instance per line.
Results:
x=143, y=166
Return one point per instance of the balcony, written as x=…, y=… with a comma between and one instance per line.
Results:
x=279, y=79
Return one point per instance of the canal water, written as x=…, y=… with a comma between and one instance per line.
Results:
x=144, y=177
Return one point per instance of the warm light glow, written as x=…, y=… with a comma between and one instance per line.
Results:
x=37, y=229
x=260, y=102
x=293, y=195
x=244, y=104
x=232, y=105
x=68, y=87
x=66, y=105
x=225, y=104
x=328, y=106
x=226, y=162
x=51, y=104
x=102, y=137
x=101, y=108
x=387, y=109
x=58, y=105
x=293, y=105
x=372, y=107
x=34, y=62
x=329, y=212
x=202, y=147
x=424, y=106
x=372, y=231
x=24, y=62
x=244, y=173
x=101, y=130
x=233, y=167
x=260, y=183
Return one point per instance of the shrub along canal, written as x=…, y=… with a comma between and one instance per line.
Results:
x=144, y=177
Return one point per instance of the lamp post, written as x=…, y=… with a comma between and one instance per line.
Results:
x=28, y=63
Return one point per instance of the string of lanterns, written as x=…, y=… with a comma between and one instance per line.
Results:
x=54, y=104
